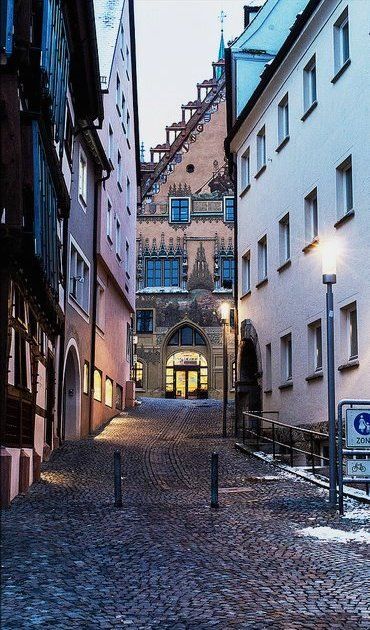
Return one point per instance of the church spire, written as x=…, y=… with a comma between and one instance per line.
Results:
x=221, y=49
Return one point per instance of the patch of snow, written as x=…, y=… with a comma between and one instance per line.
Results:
x=358, y=514
x=328, y=534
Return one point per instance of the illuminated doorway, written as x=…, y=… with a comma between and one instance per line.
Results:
x=187, y=375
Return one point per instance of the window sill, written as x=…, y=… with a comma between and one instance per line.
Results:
x=309, y=111
x=245, y=294
x=244, y=191
x=267, y=391
x=340, y=71
x=282, y=144
x=314, y=243
x=315, y=376
x=262, y=282
x=350, y=365
x=260, y=171
x=286, y=385
x=346, y=217
x=284, y=266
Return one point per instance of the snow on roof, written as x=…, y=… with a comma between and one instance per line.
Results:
x=107, y=20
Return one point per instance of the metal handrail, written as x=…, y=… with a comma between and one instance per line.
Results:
x=282, y=424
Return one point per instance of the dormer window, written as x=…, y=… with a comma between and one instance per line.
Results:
x=180, y=210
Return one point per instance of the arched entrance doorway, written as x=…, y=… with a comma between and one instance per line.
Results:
x=187, y=375
x=72, y=396
x=249, y=394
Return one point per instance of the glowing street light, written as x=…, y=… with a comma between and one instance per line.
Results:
x=225, y=314
x=329, y=251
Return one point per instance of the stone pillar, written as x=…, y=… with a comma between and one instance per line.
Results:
x=24, y=471
x=36, y=466
x=6, y=475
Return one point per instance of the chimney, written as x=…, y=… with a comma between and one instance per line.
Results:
x=248, y=11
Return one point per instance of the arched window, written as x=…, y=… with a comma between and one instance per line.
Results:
x=109, y=392
x=97, y=384
x=187, y=336
x=139, y=374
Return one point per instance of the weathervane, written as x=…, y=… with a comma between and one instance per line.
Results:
x=221, y=17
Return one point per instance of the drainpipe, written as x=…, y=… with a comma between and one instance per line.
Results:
x=97, y=185
x=236, y=323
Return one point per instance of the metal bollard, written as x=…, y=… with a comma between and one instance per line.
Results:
x=117, y=480
x=214, y=480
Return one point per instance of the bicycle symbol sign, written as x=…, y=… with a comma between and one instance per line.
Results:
x=358, y=428
x=358, y=468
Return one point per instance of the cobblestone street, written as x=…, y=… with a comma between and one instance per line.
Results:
x=72, y=560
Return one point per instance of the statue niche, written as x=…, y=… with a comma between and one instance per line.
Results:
x=200, y=277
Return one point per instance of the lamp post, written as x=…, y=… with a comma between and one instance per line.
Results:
x=225, y=312
x=329, y=278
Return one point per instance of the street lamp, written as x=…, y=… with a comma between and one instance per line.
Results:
x=225, y=313
x=329, y=277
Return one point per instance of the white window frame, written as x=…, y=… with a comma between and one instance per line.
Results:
x=119, y=169
x=341, y=26
x=246, y=272
x=315, y=347
x=309, y=84
x=262, y=259
x=118, y=240
x=109, y=221
x=261, y=149
x=268, y=368
x=311, y=217
x=245, y=170
x=128, y=194
x=72, y=300
x=110, y=142
x=118, y=93
x=286, y=345
x=283, y=119
x=100, y=304
x=344, y=199
x=284, y=239
x=346, y=328
x=82, y=178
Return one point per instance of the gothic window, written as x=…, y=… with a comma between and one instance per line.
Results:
x=162, y=272
x=187, y=336
x=229, y=208
x=179, y=210
x=144, y=321
x=227, y=272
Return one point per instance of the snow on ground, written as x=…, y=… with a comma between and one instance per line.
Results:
x=328, y=534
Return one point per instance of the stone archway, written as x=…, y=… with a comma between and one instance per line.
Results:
x=72, y=395
x=248, y=387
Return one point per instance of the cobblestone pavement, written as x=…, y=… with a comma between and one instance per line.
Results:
x=166, y=560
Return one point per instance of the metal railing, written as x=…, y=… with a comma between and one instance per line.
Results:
x=279, y=434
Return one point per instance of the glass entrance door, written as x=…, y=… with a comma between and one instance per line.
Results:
x=192, y=383
x=180, y=383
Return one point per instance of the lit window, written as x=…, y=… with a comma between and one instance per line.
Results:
x=245, y=168
x=179, y=210
x=144, y=321
x=283, y=119
x=311, y=216
x=246, y=273
x=261, y=149
x=284, y=239
x=341, y=41
x=286, y=358
x=344, y=187
x=82, y=178
x=79, y=278
x=86, y=375
x=309, y=84
x=229, y=208
x=262, y=258
x=97, y=385
x=108, y=399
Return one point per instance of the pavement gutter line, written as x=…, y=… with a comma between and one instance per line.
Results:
x=348, y=492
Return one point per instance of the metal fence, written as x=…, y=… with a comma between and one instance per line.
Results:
x=258, y=430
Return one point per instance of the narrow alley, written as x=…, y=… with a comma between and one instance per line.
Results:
x=166, y=560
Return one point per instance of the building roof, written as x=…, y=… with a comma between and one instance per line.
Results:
x=272, y=67
x=107, y=19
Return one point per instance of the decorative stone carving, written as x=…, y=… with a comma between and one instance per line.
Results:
x=200, y=277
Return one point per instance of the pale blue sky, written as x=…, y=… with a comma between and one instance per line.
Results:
x=177, y=40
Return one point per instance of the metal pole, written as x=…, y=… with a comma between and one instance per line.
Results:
x=214, y=480
x=225, y=374
x=331, y=393
x=117, y=480
x=340, y=458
